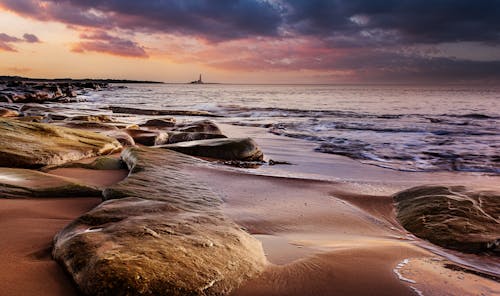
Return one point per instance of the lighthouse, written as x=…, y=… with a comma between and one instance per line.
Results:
x=199, y=81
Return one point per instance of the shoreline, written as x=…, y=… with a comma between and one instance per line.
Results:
x=327, y=223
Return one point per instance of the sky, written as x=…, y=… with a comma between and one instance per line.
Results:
x=253, y=41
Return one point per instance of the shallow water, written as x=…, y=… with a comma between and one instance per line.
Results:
x=415, y=128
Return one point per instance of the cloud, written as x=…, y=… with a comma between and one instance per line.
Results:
x=7, y=40
x=414, y=21
x=213, y=20
x=365, y=38
x=30, y=38
x=101, y=41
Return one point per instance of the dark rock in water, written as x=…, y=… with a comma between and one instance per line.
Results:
x=127, y=110
x=160, y=122
x=8, y=113
x=176, y=137
x=22, y=183
x=164, y=234
x=453, y=217
x=227, y=149
x=202, y=126
x=32, y=145
x=147, y=137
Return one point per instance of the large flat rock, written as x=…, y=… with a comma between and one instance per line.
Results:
x=32, y=145
x=454, y=217
x=158, y=233
x=22, y=183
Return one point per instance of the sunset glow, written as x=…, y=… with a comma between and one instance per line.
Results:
x=245, y=41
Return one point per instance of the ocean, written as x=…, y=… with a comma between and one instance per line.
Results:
x=408, y=128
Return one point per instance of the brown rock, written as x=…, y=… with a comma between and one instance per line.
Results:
x=166, y=236
x=8, y=113
x=228, y=149
x=22, y=183
x=160, y=122
x=453, y=217
x=147, y=137
x=176, y=137
x=93, y=118
x=202, y=126
x=32, y=145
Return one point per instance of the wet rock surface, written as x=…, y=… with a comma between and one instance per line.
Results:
x=4, y=112
x=454, y=217
x=202, y=126
x=244, y=149
x=137, y=111
x=22, y=183
x=147, y=137
x=33, y=145
x=160, y=122
x=159, y=233
x=22, y=91
x=176, y=137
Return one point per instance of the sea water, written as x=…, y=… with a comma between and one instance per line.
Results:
x=413, y=128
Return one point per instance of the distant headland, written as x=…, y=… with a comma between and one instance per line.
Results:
x=19, y=78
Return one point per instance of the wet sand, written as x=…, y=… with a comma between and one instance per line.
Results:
x=28, y=227
x=322, y=240
x=339, y=236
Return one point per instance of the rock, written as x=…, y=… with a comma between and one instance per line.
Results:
x=87, y=125
x=124, y=138
x=33, y=145
x=22, y=183
x=176, y=137
x=202, y=126
x=162, y=234
x=133, y=126
x=100, y=163
x=93, y=118
x=453, y=217
x=30, y=118
x=8, y=113
x=147, y=137
x=127, y=110
x=227, y=149
x=160, y=122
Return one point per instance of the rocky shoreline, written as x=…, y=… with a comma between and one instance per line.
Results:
x=159, y=231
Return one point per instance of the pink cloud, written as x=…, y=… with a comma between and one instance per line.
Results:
x=100, y=41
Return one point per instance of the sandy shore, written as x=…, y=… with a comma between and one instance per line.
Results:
x=326, y=223
x=28, y=228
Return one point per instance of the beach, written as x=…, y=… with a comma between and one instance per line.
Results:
x=309, y=223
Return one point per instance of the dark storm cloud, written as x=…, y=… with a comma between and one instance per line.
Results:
x=215, y=20
x=417, y=21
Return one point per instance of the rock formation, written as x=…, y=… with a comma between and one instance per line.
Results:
x=159, y=233
x=453, y=217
